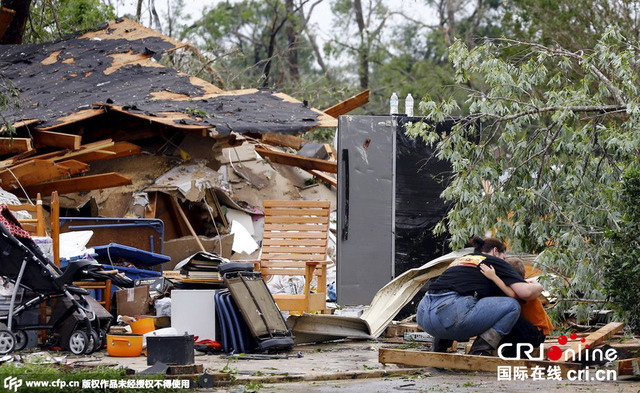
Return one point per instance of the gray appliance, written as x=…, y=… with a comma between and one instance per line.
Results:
x=389, y=189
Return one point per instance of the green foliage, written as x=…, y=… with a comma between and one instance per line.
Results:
x=622, y=268
x=237, y=37
x=8, y=97
x=551, y=132
x=34, y=372
x=53, y=19
x=573, y=25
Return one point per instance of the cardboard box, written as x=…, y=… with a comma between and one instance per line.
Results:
x=133, y=301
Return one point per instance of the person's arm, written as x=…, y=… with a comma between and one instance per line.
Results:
x=490, y=273
x=527, y=290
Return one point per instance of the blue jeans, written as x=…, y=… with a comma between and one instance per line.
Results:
x=451, y=316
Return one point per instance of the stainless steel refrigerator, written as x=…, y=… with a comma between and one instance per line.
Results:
x=389, y=189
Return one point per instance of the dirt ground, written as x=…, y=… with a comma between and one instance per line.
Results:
x=352, y=366
x=434, y=380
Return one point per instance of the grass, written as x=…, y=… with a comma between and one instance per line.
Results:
x=78, y=379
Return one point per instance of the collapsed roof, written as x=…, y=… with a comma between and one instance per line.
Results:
x=114, y=69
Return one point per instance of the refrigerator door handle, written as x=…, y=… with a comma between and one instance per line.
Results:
x=345, y=221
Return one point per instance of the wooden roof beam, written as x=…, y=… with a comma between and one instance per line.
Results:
x=276, y=139
x=15, y=145
x=33, y=172
x=349, y=104
x=119, y=149
x=298, y=161
x=80, y=184
x=56, y=139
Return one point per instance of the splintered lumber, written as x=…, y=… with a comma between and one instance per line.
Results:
x=349, y=104
x=298, y=161
x=17, y=158
x=464, y=362
x=80, y=184
x=32, y=172
x=74, y=166
x=56, y=139
x=592, y=340
x=46, y=156
x=15, y=145
x=88, y=148
x=628, y=367
x=324, y=177
x=178, y=209
x=119, y=149
x=276, y=139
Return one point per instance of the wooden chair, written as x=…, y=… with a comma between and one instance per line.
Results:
x=103, y=285
x=295, y=244
x=36, y=225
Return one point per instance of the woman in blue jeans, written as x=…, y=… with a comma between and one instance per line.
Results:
x=463, y=303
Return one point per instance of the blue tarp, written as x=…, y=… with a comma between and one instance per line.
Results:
x=131, y=254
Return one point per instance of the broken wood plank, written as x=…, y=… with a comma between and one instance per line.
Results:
x=592, y=340
x=31, y=172
x=297, y=161
x=628, y=367
x=276, y=139
x=333, y=155
x=75, y=167
x=15, y=145
x=324, y=177
x=80, y=184
x=45, y=156
x=349, y=104
x=56, y=139
x=150, y=211
x=119, y=149
x=17, y=158
x=464, y=362
x=88, y=148
x=178, y=208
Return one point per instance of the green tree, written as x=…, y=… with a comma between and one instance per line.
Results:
x=254, y=43
x=573, y=25
x=622, y=270
x=540, y=152
x=50, y=20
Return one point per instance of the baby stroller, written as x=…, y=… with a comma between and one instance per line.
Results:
x=24, y=264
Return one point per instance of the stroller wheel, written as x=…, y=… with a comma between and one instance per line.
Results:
x=94, y=343
x=78, y=342
x=7, y=341
x=21, y=340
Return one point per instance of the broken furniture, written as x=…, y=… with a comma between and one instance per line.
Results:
x=143, y=233
x=35, y=225
x=295, y=243
x=248, y=317
x=140, y=258
x=103, y=289
x=389, y=187
x=27, y=267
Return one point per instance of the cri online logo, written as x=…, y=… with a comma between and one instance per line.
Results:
x=555, y=353
x=573, y=354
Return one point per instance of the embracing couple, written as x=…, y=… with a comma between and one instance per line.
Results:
x=483, y=295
